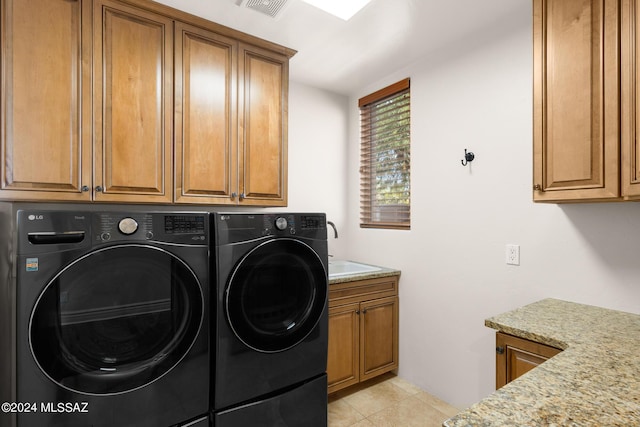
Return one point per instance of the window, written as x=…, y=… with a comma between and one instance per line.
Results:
x=385, y=191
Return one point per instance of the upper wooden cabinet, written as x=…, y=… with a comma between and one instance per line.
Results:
x=205, y=118
x=229, y=152
x=133, y=104
x=576, y=100
x=586, y=92
x=263, y=126
x=630, y=95
x=46, y=104
x=133, y=101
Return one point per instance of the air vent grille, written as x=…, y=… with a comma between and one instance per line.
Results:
x=268, y=7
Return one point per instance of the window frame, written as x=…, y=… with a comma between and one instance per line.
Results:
x=399, y=91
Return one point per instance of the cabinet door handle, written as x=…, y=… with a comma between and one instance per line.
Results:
x=85, y=188
x=234, y=195
x=99, y=189
x=358, y=312
x=242, y=196
x=364, y=311
x=537, y=187
x=500, y=350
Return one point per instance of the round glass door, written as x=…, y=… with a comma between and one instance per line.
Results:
x=116, y=319
x=276, y=295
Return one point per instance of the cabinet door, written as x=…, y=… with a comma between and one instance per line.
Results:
x=343, y=357
x=516, y=356
x=133, y=68
x=378, y=337
x=576, y=119
x=46, y=102
x=263, y=93
x=205, y=117
x=630, y=75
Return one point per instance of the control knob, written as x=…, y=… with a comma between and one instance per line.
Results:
x=128, y=226
x=281, y=223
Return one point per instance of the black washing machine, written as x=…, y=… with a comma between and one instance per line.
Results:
x=111, y=320
x=269, y=354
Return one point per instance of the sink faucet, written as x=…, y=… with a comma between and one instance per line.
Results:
x=335, y=230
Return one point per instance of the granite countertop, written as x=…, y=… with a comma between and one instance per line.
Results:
x=382, y=272
x=595, y=381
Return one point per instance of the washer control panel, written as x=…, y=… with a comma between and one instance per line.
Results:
x=184, y=224
x=184, y=228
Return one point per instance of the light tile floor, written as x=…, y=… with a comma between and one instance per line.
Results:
x=387, y=401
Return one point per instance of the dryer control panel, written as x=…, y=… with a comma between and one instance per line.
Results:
x=313, y=222
x=279, y=223
x=292, y=224
x=239, y=227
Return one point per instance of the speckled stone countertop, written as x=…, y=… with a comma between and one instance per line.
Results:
x=595, y=381
x=383, y=272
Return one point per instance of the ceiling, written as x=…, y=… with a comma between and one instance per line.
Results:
x=344, y=56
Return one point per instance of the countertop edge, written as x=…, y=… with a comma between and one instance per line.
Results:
x=521, y=333
x=383, y=272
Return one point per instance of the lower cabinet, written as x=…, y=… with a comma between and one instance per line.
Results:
x=517, y=356
x=363, y=330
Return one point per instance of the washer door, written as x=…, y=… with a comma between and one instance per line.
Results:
x=276, y=295
x=116, y=319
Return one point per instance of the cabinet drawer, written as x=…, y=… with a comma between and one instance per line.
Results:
x=362, y=290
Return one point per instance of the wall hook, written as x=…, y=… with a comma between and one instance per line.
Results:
x=468, y=157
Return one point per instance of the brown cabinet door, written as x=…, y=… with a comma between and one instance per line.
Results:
x=46, y=100
x=343, y=357
x=576, y=101
x=630, y=113
x=378, y=336
x=263, y=92
x=205, y=117
x=133, y=93
x=516, y=356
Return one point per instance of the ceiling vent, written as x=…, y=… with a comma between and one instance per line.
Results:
x=272, y=8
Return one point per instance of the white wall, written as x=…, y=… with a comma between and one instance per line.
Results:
x=477, y=94
x=318, y=129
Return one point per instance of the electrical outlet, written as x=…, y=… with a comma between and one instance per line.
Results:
x=513, y=254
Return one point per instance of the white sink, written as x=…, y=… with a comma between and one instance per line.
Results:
x=339, y=268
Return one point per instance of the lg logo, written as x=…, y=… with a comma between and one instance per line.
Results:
x=35, y=217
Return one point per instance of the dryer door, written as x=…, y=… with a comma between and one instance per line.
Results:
x=276, y=295
x=117, y=319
